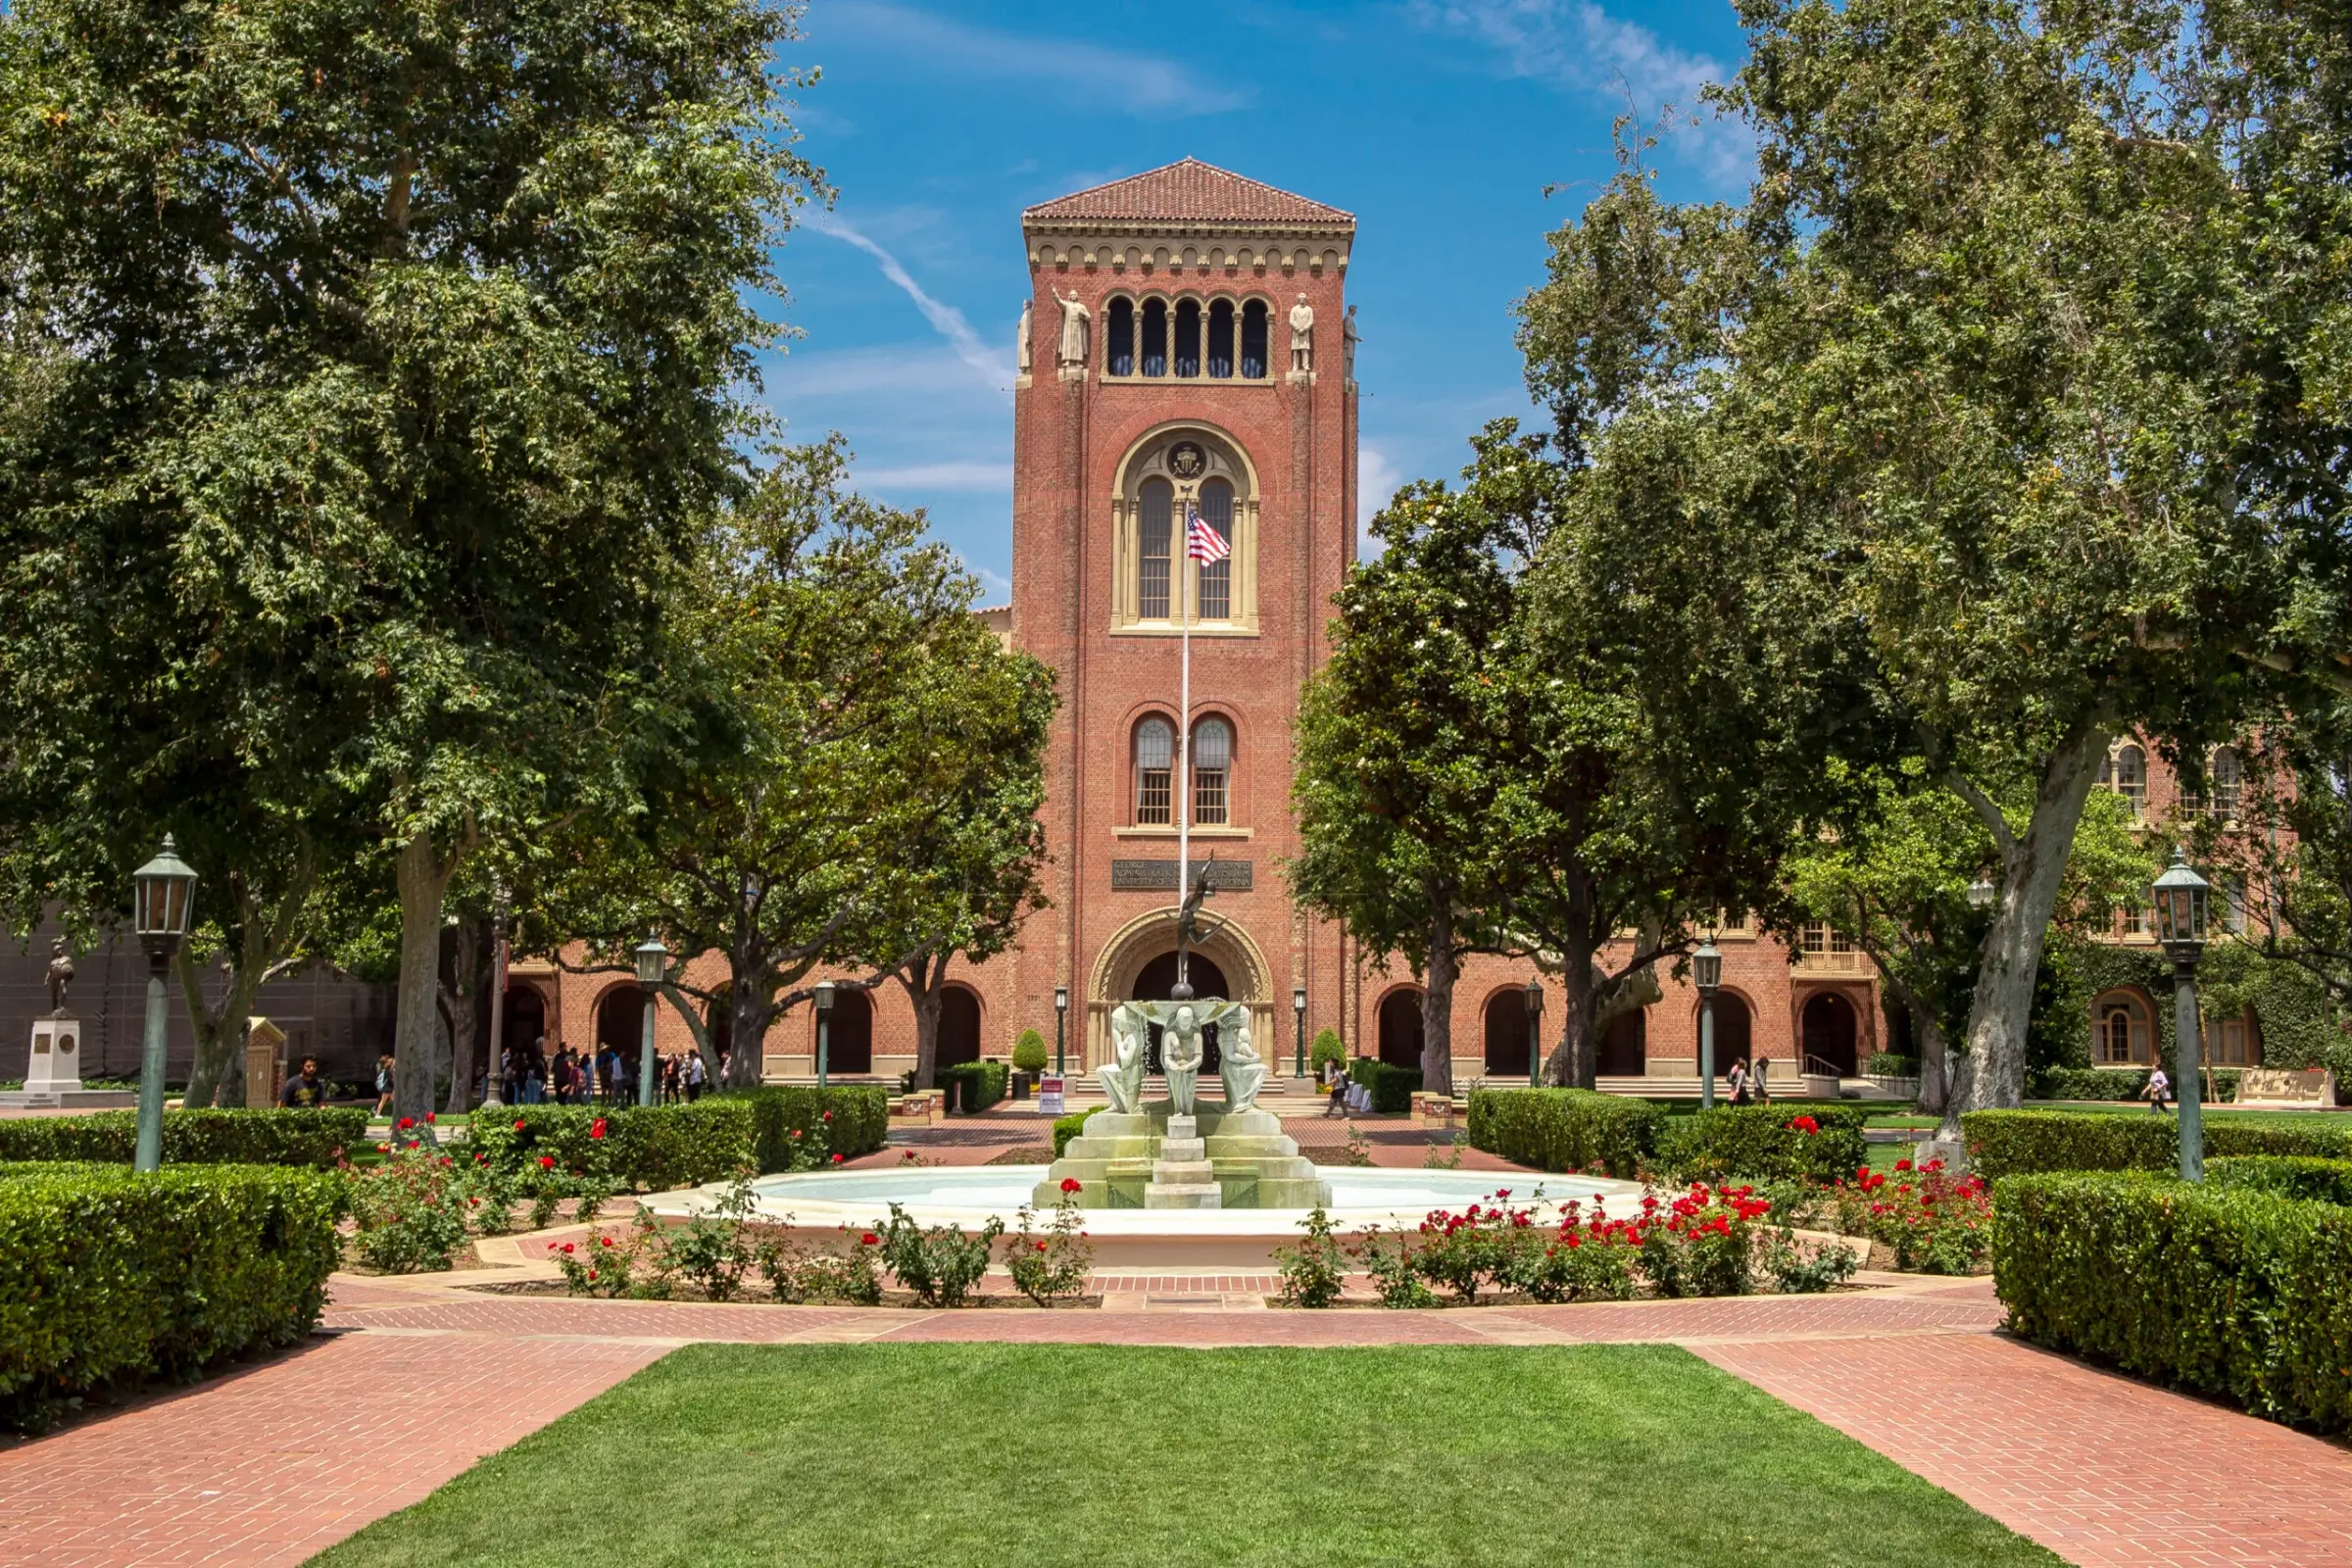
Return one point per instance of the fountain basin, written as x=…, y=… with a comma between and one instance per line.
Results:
x=823, y=1202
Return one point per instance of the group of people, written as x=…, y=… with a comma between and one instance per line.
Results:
x=531, y=1077
x=1750, y=1085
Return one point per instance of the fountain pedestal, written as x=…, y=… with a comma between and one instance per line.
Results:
x=1182, y=1175
x=1118, y=1159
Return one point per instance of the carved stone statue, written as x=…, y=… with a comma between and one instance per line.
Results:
x=1188, y=931
x=1303, y=335
x=1122, y=1079
x=1349, y=338
x=1074, y=320
x=1237, y=1062
x=1181, y=1053
x=61, y=974
x=1023, y=350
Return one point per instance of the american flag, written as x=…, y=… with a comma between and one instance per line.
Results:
x=1202, y=542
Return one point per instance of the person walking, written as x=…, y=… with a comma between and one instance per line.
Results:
x=383, y=1084
x=696, y=1076
x=305, y=1089
x=1760, y=1079
x=1738, y=1078
x=2159, y=1090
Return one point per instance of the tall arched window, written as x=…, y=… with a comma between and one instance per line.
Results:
x=1253, y=339
x=2122, y=1036
x=1153, y=526
x=2127, y=773
x=1188, y=337
x=1220, y=338
x=2228, y=783
x=1212, y=772
x=1154, y=762
x=1120, y=336
x=1155, y=337
x=1217, y=576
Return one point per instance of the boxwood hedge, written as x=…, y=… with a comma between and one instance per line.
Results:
x=2010, y=1142
x=192, y=1137
x=1767, y=1142
x=2216, y=1289
x=1392, y=1087
x=859, y=1122
x=664, y=1146
x=2322, y=1181
x=1566, y=1129
x=974, y=1085
x=109, y=1277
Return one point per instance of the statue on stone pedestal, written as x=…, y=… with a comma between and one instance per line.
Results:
x=1074, y=318
x=1238, y=1064
x=1123, y=1079
x=61, y=974
x=1349, y=338
x=1303, y=335
x=1181, y=1051
x=1023, y=349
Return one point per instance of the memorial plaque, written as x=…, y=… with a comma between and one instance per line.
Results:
x=1160, y=876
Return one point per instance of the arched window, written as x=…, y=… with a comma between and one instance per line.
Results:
x=2121, y=1037
x=1400, y=1028
x=1153, y=526
x=1155, y=761
x=1212, y=772
x=1253, y=339
x=2125, y=771
x=1188, y=337
x=1120, y=336
x=1155, y=337
x=1220, y=338
x=2232, y=1042
x=1216, y=579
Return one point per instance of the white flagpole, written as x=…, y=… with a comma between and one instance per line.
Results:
x=1184, y=745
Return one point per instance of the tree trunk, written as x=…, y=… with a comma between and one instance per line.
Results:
x=699, y=1028
x=925, y=980
x=1575, y=1060
x=1437, y=998
x=1935, y=1058
x=465, y=976
x=1991, y=1074
x=749, y=1008
x=422, y=878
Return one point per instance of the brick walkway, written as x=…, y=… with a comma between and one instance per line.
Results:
x=267, y=1465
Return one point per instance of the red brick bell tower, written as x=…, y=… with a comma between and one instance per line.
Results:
x=1187, y=343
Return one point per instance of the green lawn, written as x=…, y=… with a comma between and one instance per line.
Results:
x=991, y=1454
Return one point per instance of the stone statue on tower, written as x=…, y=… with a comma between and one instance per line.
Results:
x=1303, y=335
x=1074, y=318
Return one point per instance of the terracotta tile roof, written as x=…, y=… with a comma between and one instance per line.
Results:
x=1189, y=191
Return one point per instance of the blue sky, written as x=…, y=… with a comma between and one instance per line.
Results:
x=1439, y=124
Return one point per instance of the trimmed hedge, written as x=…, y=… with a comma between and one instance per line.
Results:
x=1566, y=1129
x=111, y=1277
x=1392, y=1087
x=1761, y=1142
x=1890, y=1065
x=652, y=1146
x=2116, y=1083
x=204, y=1137
x=861, y=1122
x=2222, y=1290
x=974, y=1086
x=1068, y=1127
x=2317, y=1180
x=2010, y=1142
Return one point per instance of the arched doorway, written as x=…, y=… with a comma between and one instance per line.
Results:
x=621, y=1020
x=1829, y=1034
x=1507, y=1034
x=849, y=1035
x=525, y=1021
x=1157, y=980
x=1400, y=1028
x=959, y=1026
x=1625, y=1046
x=1733, y=1032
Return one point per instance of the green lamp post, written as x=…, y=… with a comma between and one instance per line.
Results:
x=1534, y=1032
x=652, y=957
x=824, y=1022
x=162, y=903
x=1707, y=973
x=2179, y=896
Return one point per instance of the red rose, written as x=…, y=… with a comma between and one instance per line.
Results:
x=430, y=1116
x=605, y=1240
x=407, y=1122
x=383, y=1148
x=1902, y=1164
x=870, y=1238
x=518, y=1125
x=836, y=1159
x=829, y=1115
x=567, y=1246
x=1071, y=1184
x=1041, y=1247
x=547, y=1162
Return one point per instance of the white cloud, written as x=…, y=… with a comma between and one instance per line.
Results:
x=1376, y=479
x=944, y=319
x=950, y=475
x=1577, y=45
x=1133, y=83
x=881, y=371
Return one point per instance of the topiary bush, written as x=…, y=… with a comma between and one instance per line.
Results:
x=1767, y=1142
x=1327, y=1047
x=109, y=1277
x=1392, y=1087
x=859, y=1122
x=1029, y=1052
x=2317, y=1180
x=1068, y=1127
x=205, y=1137
x=2218, y=1289
x=974, y=1086
x=2008, y=1143
x=1566, y=1129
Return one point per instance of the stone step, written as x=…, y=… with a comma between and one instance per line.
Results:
x=1184, y=1195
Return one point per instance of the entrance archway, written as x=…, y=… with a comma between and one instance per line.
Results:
x=849, y=1035
x=525, y=1021
x=1400, y=1028
x=1506, y=1033
x=1625, y=1046
x=959, y=1026
x=1829, y=1033
x=621, y=1020
x=1735, y=1031
x=1157, y=980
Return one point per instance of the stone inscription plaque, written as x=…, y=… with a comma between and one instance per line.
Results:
x=1160, y=876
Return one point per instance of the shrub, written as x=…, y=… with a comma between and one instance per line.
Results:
x=974, y=1086
x=797, y=1272
x=1799, y=1271
x=1566, y=1129
x=1390, y=1087
x=1887, y=1064
x=2222, y=1290
x=852, y=1119
x=1313, y=1272
x=1587, y=1258
x=1702, y=1242
x=411, y=1209
x=942, y=1264
x=1052, y=1267
x=1387, y=1256
x=108, y=1277
x=1327, y=1047
x=1068, y=1127
x=655, y=1147
x=1029, y=1052
x=1461, y=1252
x=1936, y=1222
x=2116, y=1083
x=1766, y=1142
x=205, y=1137
x=2009, y=1143
x=2318, y=1181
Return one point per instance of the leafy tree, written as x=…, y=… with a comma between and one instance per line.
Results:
x=398, y=346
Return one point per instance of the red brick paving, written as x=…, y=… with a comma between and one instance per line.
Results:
x=269, y=1465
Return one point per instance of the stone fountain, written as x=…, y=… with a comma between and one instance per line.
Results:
x=1175, y=1154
